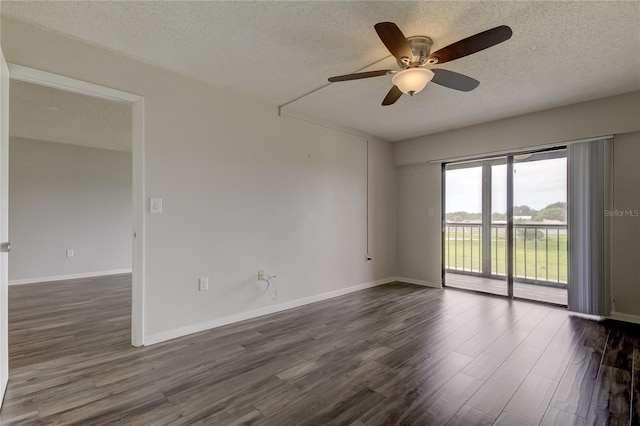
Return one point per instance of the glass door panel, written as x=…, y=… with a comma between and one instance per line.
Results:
x=499, y=220
x=472, y=217
x=540, y=226
x=463, y=216
x=497, y=270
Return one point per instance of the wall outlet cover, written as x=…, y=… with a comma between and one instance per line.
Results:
x=203, y=284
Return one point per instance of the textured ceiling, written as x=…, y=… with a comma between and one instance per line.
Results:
x=560, y=53
x=43, y=113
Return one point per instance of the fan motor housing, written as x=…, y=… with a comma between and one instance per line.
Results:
x=421, y=48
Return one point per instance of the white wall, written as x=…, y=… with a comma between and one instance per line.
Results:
x=63, y=197
x=419, y=235
x=419, y=182
x=243, y=190
x=625, y=251
x=601, y=117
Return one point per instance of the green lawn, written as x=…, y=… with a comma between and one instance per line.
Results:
x=551, y=264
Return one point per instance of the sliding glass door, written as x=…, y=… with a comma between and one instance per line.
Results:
x=505, y=229
x=540, y=226
x=475, y=225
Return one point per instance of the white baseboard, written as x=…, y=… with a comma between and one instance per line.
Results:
x=219, y=322
x=418, y=282
x=624, y=317
x=69, y=277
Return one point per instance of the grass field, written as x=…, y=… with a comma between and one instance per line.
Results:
x=532, y=256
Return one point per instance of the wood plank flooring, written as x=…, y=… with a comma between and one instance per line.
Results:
x=393, y=354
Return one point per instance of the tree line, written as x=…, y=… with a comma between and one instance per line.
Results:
x=554, y=211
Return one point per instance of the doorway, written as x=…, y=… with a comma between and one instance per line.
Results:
x=30, y=75
x=505, y=225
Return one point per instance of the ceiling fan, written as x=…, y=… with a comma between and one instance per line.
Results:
x=414, y=53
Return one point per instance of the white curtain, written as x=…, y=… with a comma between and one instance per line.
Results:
x=588, y=195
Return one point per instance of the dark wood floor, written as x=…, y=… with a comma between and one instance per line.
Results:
x=394, y=354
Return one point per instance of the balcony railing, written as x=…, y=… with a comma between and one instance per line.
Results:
x=539, y=251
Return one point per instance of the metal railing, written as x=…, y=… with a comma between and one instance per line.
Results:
x=540, y=251
x=462, y=235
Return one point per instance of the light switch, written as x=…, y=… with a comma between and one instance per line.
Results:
x=430, y=211
x=155, y=205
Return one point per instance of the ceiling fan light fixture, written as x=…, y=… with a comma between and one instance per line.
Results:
x=412, y=80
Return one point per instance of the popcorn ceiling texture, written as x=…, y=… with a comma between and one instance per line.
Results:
x=561, y=53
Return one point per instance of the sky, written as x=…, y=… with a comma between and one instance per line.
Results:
x=536, y=184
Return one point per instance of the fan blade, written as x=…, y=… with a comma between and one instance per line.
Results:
x=470, y=45
x=454, y=80
x=395, y=41
x=393, y=95
x=360, y=75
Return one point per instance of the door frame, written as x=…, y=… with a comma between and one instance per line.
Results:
x=487, y=161
x=4, y=211
x=44, y=78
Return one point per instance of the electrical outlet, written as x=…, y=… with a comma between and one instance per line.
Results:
x=203, y=284
x=260, y=275
x=69, y=252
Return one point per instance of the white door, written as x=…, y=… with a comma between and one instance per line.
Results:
x=4, y=223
